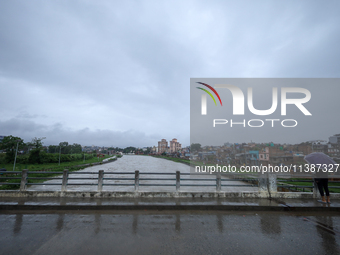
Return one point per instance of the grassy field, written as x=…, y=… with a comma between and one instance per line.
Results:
x=48, y=167
x=310, y=183
x=179, y=160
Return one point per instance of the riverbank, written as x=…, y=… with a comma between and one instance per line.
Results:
x=71, y=166
x=178, y=160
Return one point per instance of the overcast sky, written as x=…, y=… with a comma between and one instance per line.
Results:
x=117, y=73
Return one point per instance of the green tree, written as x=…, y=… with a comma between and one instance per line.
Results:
x=9, y=144
x=37, y=146
x=64, y=148
x=53, y=149
x=211, y=158
x=195, y=147
x=148, y=150
x=76, y=148
x=129, y=149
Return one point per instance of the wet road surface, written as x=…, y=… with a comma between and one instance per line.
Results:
x=175, y=232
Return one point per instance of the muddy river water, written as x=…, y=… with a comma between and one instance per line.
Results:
x=145, y=164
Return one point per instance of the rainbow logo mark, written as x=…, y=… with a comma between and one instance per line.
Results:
x=209, y=92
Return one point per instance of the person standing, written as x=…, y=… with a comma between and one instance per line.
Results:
x=315, y=161
x=323, y=188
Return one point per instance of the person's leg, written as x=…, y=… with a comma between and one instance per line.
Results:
x=320, y=187
x=325, y=186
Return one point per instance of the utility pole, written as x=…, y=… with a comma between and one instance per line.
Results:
x=59, y=153
x=245, y=156
x=16, y=152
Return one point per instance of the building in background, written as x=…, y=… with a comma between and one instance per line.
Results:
x=162, y=146
x=334, y=146
x=335, y=139
x=174, y=146
x=154, y=150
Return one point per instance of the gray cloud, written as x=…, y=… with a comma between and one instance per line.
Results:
x=26, y=115
x=125, y=66
x=58, y=133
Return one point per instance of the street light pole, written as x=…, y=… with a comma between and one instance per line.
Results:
x=59, y=153
x=16, y=152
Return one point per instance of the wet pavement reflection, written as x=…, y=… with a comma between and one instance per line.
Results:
x=162, y=232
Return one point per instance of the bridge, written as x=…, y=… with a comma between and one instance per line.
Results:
x=149, y=184
x=146, y=212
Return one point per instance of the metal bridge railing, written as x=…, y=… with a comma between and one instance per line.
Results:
x=292, y=187
x=138, y=179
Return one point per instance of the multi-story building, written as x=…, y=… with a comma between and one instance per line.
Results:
x=162, y=146
x=305, y=148
x=334, y=139
x=154, y=150
x=334, y=145
x=275, y=155
x=333, y=150
x=264, y=154
x=174, y=146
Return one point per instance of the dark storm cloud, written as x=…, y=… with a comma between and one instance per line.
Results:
x=120, y=66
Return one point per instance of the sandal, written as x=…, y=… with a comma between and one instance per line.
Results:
x=322, y=202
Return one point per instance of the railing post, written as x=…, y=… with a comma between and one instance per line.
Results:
x=136, y=180
x=178, y=180
x=64, y=182
x=268, y=185
x=262, y=184
x=218, y=182
x=23, y=180
x=273, y=183
x=100, y=180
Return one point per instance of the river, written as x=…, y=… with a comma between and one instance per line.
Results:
x=131, y=163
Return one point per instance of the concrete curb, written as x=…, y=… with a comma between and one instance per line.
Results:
x=108, y=194
x=280, y=208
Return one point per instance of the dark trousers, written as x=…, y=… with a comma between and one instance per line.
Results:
x=322, y=185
